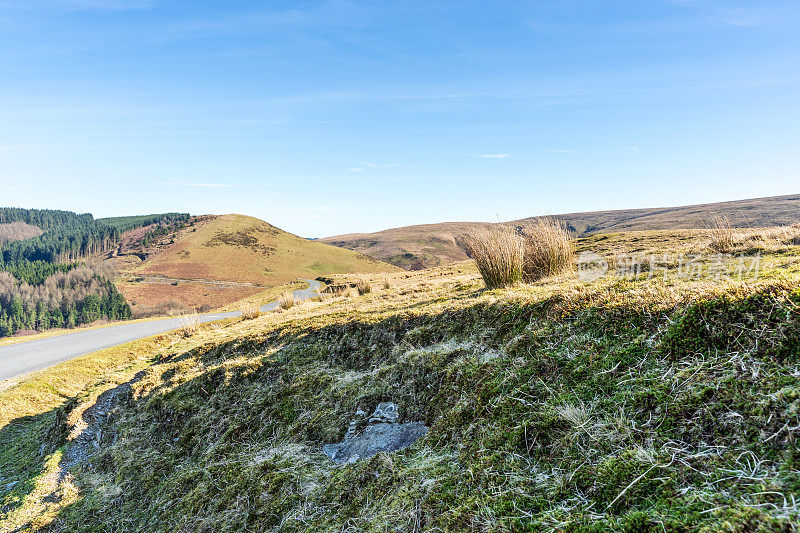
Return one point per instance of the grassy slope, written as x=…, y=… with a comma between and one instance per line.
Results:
x=434, y=244
x=626, y=404
x=231, y=248
x=241, y=248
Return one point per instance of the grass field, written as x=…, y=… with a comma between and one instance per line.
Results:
x=655, y=397
x=429, y=245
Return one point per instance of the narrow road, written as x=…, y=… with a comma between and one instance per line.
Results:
x=24, y=357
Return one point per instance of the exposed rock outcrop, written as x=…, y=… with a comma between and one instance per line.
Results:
x=383, y=434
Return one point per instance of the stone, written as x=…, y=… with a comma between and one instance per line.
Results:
x=383, y=434
x=385, y=412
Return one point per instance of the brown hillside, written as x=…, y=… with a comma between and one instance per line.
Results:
x=221, y=259
x=428, y=245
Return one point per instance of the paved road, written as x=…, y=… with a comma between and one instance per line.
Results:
x=21, y=358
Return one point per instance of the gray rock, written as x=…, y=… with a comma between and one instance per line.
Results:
x=383, y=434
x=385, y=412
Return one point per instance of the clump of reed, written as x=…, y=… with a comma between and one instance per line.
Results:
x=722, y=235
x=189, y=325
x=548, y=250
x=363, y=287
x=498, y=253
x=250, y=311
x=286, y=301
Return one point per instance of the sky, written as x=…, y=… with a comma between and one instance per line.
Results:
x=333, y=117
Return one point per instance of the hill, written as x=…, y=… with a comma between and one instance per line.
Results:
x=635, y=402
x=212, y=261
x=423, y=246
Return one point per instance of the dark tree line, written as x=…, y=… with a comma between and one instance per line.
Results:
x=162, y=229
x=41, y=284
x=67, y=236
x=139, y=221
x=35, y=272
x=64, y=300
x=41, y=218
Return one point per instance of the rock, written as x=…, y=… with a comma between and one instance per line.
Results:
x=385, y=412
x=383, y=434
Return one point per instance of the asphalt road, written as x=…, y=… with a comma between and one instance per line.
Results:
x=24, y=357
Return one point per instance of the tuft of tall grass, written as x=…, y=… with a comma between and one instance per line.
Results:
x=250, y=311
x=722, y=236
x=363, y=287
x=498, y=254
x=189, y=325
x=548, y=250
x=286, y=301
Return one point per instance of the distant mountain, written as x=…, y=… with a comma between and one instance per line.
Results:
x=415, y=247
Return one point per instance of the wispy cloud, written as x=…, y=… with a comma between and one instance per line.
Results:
x=200, y=184
x=559, y=151
x=323, y=14
x=78, y=5
x=384, y=165
x=744, y=17
x=19, y=148
x=364, y=165
x=631, y=148
x=493, y=156
x=305, y=209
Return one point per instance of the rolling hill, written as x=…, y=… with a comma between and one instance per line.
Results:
x=423, y=246
x=217, y=260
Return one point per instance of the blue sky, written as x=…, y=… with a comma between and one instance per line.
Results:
x=343, y=116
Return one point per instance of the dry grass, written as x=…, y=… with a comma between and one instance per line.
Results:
x=250, y=311
x=723, y=238
x=498, y=254
x=286, y=301
x=768, y=239
x=363, y=287
x=160, y=299
x=548, y=250
x=386, y=285
x=189, y=325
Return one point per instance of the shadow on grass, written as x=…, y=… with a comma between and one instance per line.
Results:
x=25, y=445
